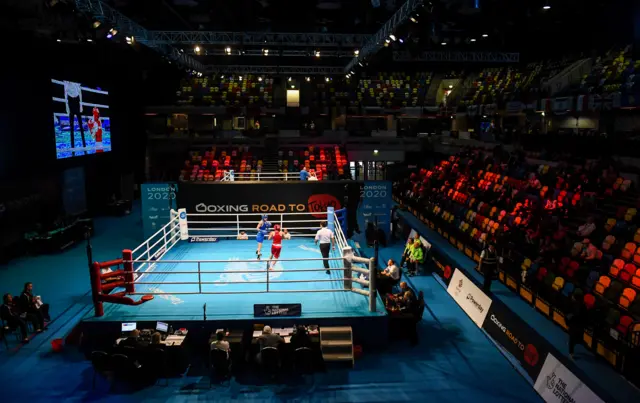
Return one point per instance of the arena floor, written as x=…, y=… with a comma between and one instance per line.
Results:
x=239, y=306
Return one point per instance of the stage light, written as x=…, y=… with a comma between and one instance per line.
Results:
x=227, y=50
x=472, y=40
x=260, y=79
x=352, y=72
x=293, y=86
x=112, y=32
x=58, y=40
x=265, y=52
x=485, y=35
x=401, y=40
x=89, y=40
x=308, y=79
x=393, y=37
x=375, y=152
x=450, y=86
x=356, y=52
x=484, y=116
x=130, y=40
x=197, y=49
x=222, y=77
x=546, y=7
x=348, y=75
x=96, y=24
x=317, y=53
x=444, y=43
x=326, y=79
x=240, y=78
x=387, y=40
x=289, y=79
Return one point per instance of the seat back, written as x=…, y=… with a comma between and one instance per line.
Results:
x=303, y=360
x=589, y=301
x=219, y=361
x=100, y=360
x=270, y=358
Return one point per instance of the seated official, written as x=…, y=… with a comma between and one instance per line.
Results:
x=220, y=343
x=33, y=304
x=156, y=338
x=13, y=318
x=133, y=340
x=242, y=236
x=403, y=301
x=286, y=234
x=268, y=339
x=388, y=277
x=300, y=338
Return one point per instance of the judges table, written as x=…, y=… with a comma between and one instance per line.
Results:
x=286, y=350
x=174, y=347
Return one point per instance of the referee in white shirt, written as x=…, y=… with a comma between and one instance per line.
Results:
x=325, y=238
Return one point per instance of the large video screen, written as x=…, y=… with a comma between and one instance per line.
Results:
x=80, y=119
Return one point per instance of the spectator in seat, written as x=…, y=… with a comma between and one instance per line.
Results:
x=312, y=176
x=586, y=229
x=304, y=174
x=402, y=301
x=12, y=316
x=300, y=338
x=220, y=342
x=33, y=304
x=286, y=235
x=388, y=277
x=589, y=252
x=416, y=258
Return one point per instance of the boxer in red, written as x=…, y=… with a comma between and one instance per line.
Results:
x=276, y=246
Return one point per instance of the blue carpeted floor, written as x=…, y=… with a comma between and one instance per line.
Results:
x=596, y=369
x=454, y=361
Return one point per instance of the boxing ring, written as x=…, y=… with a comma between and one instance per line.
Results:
x=205, y=264
x=232, y=176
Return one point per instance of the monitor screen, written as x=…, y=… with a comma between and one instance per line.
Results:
x=81, y=119
x=162, y=327
x=129, y=326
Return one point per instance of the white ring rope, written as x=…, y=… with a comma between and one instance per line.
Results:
x=151, y=251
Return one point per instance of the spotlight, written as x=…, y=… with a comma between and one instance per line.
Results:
x=485, y=35
x=58, y=40
x=387, y=40
x=130, y=40
x=89, y=40
x=392, y=37
x=260, y=79
x=222, y=77
x=326, y=79
x=227, y=50
x=444, y=43
x=289, y=79
x=450, y=86
x=414, y=19
x=472, y=40
x=317, y=53
x=356, y=52
x=96, y=24
x=375, y=152
x=401, y=40
x=348, y=75
x=265, y=52
x=352, y=72
x=308, y=79
x=112, y=32
x=293, y=86
x=240, y=78
x=546, y=7
x=197, y=49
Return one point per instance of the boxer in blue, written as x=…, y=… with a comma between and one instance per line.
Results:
x=263, y=231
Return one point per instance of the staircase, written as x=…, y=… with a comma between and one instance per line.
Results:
x=270, y=160
x=432, y=92
x=336, y=344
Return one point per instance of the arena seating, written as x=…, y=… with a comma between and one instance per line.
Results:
x=616, y=72
x=211, y=164
x=240, y=90
x=494, y=84
x=393, y=89
x=534, y=214
x=328, y=162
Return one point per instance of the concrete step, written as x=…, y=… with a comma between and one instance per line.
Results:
x=336, y=329
x=338, y=357
x=336, y=343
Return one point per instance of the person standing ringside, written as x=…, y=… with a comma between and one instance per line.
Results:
x=325, y=238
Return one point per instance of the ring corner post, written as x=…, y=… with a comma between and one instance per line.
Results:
x=183, y=225
x=127, y=260
x=373, y=294
x=347, y=254
x=96, y=289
